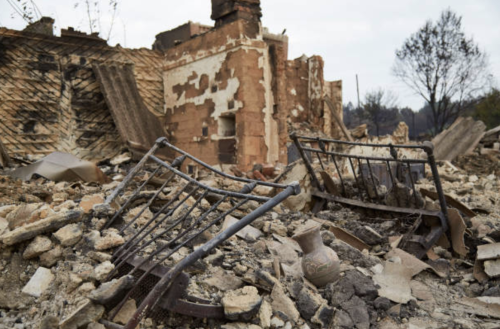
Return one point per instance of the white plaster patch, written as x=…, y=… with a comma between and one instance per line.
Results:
x=293, y=92
x=295, y=113
x=301, y=109
x=209, y=66
x=271, y=137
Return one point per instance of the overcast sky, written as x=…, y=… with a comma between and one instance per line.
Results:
x=353, y=37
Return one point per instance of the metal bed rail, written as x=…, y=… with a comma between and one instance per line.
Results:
x=176, y=223
x=363, y=189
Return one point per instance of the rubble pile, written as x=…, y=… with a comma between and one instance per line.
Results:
x=55, y=258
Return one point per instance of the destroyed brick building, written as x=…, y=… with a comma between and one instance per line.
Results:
x=360, y=232
x=227, y=94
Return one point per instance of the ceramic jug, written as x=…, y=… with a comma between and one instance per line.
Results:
x=320, y=264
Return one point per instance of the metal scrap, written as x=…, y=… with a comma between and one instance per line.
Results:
x=59, y=166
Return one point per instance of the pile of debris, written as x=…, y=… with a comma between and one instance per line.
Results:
x=58, y=255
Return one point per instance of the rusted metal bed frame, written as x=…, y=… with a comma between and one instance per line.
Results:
x=435, y=222
x=160, y=288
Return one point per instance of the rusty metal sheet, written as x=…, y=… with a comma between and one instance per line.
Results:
x=349, y=238
x=135, y=123
x=59, y=166
x=450, y=201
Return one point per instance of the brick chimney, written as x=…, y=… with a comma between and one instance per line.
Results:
x=226, y=11
x=43, y=26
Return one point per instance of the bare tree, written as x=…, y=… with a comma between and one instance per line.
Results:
x=376, y=106
x=93, y=13
x=27, y=10
x=443, y=66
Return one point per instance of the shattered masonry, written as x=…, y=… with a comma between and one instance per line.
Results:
x=227, y=95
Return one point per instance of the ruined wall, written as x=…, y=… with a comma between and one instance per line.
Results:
x=304, y=79
x=218, y=96
x=168, y=39
x=333, y=89
x=50, y=99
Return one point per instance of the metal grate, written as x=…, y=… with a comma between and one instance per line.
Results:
x=385, y=183
x=178, y=220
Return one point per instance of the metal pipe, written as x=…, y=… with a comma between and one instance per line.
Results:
x=131, y=174
x=360, y=144
x=361, y=157
x=373, y=180
x=206, y=187
x=165, y=142
x=314, y=180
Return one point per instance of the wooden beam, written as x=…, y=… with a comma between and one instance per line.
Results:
x=346, y=132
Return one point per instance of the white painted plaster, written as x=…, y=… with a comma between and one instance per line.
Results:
x=271, y=137
x=209, y=66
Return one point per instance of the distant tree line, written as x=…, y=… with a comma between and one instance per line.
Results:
x=382, y=115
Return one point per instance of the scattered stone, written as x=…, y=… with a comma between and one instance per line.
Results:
x=69, y=235
x=240, y=325
x=324, y=316
x=110, y=240
x=356, y=257
x=368, y=235
x=223, y=281
x=308, y=303
x=4, y=225
x=42, y=226
x=277, y=322
x=49, y=322
x=265, y=314
x=285, y=252
x=50, y=258
x=275, y=227
x=102, y=270
x=21, y=215
x=99, y=256
x=394, y=310
x=5, y=210
x=103, y=210
x=357, y=309
x=73, y=282
x=342, y=320
x=38, y=246
x=488, y=251
x=282, y=303
x=39, y=282
x=126, y=312
x=89, y=201
x=86, y=288
x=121, y=158
x=109, y=293
x=247, y=233
x=382, y=303
x=421, y=291
x=95, y=325
x=492, y=268
x=266, y=279
x=88, y=312
x=352, y=283
x=242, y=303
